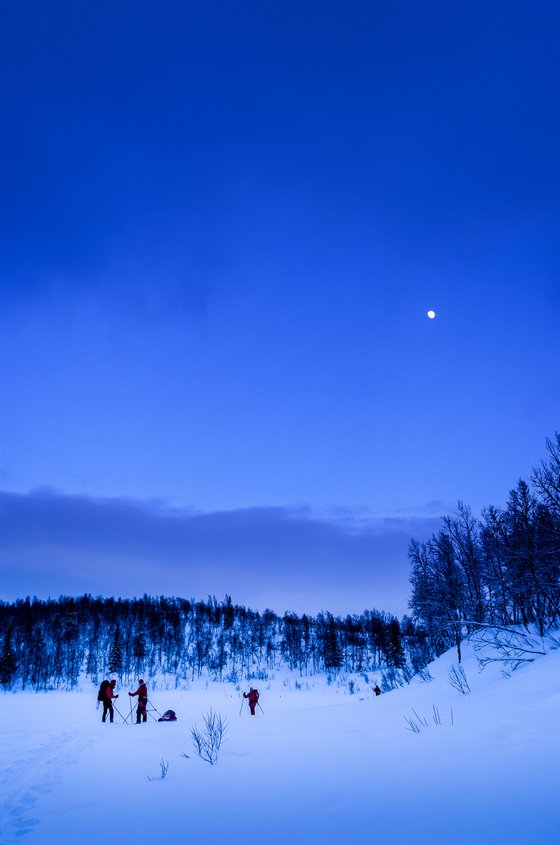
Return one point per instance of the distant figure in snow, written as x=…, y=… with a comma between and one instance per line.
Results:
x=376, y=690
x=253, y=696
x=108, y=700
x=142, y=693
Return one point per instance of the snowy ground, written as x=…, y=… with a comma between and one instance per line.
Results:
x=320, y=766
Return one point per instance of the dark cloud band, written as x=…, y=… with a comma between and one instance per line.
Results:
x=287, y=559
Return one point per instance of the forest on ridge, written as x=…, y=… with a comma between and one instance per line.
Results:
x=499, y=571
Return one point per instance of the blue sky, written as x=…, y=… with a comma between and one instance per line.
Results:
x=221, y=229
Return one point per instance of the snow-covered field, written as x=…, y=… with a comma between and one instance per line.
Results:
x=319, y=766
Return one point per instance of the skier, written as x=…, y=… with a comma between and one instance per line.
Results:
x=142, y=693
x=253, y=696
x=376, y=690
x=108, y=700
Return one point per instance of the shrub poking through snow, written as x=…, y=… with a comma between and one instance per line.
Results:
x=164, y=766
x=416, y=723
x=458, y=679
x=208, y=740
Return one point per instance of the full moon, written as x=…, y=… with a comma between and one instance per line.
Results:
x=431, y=314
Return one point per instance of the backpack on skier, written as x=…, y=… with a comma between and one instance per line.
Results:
x=102, y=688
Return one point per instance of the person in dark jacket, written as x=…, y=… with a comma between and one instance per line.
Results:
x=108, y=700
x=142, y=693
x=253, y=696
x=376, y=689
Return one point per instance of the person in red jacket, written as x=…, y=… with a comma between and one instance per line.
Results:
x=253, y=696
x=108, y=700
x=142, y=693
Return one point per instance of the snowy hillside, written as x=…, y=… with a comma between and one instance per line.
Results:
x=319, y=766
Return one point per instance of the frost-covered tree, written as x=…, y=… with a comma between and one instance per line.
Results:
x=531, y=559
x=439, y=593
x=546, y=476
x=501, y=570
x=464, y=533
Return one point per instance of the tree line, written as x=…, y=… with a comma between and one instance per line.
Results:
x=500, y=570
x=49, y=644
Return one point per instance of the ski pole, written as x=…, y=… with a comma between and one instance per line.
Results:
x=260, y=708
x=130, y=714
x=150, y=712
x=153, y=706
x=119, y=712
x=242, y=703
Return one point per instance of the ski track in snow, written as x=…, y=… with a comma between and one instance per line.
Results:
x=21, y=787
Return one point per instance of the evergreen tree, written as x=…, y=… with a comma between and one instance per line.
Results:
x=38, y=659
x=8, y=664
x=139, y=647
x=332, y=653
x=395, y=651
x=115, y=659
